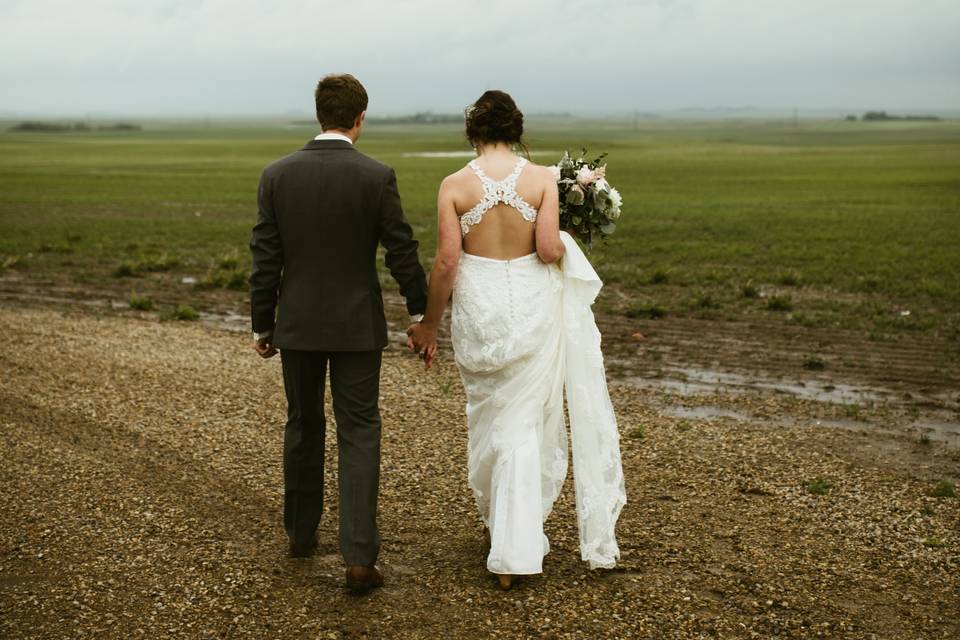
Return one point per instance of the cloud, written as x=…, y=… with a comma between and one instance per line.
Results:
x=260, y=57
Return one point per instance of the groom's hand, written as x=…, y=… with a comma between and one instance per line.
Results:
x=265, y=348
x=411, y=344
x=422, y=339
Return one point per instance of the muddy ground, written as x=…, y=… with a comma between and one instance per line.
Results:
x=915, y=374
x=142, y=490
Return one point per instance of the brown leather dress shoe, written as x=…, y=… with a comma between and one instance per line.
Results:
x=303, y=551
x=362, y=579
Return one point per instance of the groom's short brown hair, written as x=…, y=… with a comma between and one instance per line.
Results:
x=340, y=99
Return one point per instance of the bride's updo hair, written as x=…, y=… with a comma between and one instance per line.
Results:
x=494, y=117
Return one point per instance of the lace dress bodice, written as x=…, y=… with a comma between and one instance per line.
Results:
x=496, y=192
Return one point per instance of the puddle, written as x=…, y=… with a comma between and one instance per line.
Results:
x=678, y=386
x=938, y=430
x=942, y=431
x=692, y=381
x=837, y=393
x=938, y=426
x=706, y=413
x=835, y=423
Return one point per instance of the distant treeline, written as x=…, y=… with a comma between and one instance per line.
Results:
x=56, y=127
x=876, y=116
x=424, y=117
x=428, y=117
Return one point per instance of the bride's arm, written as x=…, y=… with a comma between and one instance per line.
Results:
x=443, y=274
x=549, y=246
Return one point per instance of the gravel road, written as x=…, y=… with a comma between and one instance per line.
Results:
x=141, y=496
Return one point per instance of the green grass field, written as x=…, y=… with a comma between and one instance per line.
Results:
x=829, y=223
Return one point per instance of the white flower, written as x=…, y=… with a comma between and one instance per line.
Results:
x=601, y=185
x=615, y=198
x=585, y=175
x=555, y=170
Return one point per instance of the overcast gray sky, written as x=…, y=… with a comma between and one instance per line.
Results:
x=258, y=57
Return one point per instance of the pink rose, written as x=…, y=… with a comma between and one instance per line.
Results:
x=585, y=176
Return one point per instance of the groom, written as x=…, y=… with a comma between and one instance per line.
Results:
x=323, y=210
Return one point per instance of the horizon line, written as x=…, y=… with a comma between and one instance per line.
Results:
x=573, y=114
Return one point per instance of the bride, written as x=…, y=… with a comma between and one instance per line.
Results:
x=522, y=331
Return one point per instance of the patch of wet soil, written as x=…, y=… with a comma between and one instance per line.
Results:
x=919, y=376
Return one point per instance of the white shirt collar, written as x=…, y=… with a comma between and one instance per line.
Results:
x=333, y=136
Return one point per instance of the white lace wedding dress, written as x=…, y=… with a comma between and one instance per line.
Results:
x=523, y=331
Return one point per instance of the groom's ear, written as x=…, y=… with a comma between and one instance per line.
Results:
x=360, y=118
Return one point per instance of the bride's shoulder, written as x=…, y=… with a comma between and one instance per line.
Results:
x=539, y=169
x=457, y=178
x=541, y=172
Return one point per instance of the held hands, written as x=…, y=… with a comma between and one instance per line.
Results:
x=422, y=339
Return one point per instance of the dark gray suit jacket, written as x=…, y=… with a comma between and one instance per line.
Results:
x=322, y=212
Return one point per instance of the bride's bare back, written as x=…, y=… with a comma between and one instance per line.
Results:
x=500, y=202
x=500, y=208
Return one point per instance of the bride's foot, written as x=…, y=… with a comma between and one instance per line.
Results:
x=505, y=579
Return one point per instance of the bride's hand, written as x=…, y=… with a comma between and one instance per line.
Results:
x=422, y=339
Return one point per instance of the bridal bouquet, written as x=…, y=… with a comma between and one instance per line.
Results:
x=589, y=206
